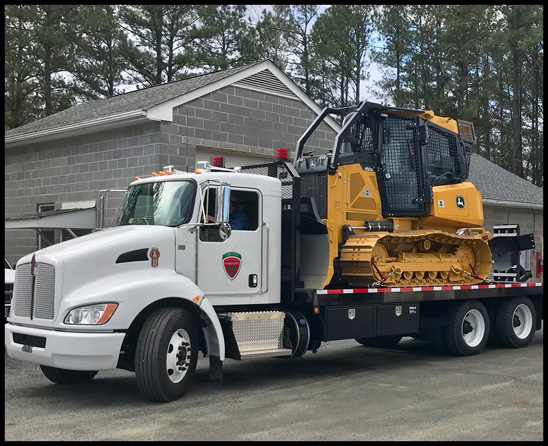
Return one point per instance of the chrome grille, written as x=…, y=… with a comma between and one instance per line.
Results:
x=41, y=305
x=22, y=292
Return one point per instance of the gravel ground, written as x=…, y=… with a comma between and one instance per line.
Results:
x=343, y=392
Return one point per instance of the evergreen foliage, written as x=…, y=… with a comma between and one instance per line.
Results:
x=481, y=63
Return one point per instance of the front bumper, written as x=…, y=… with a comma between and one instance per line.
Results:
x=64, y=350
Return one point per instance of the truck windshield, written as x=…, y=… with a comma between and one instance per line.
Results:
x=165, y=203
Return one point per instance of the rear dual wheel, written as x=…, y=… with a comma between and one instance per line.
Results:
x=515, y=322
x=467, y=330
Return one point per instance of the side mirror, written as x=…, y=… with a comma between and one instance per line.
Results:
x=222, y=210
x=224, y=230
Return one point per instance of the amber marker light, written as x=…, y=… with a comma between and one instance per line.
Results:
x=316, y=310
x=197, y=171
x=169, y=172
x=197, y=299
x=137, y=178
x=162, y=172
x=154, y=174
x=107, y=314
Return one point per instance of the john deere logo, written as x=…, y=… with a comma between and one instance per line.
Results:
x=460, y=202
x=232, y=261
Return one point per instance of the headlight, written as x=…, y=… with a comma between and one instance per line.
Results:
x=97, y=314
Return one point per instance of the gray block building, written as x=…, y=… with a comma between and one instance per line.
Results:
x=58, y=167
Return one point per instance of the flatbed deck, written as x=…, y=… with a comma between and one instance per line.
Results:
x=328, y=297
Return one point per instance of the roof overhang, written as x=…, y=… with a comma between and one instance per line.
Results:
x=91, y=126
x=57, y=219
x=513, y=204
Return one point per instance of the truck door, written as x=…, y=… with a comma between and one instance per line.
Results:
x=232, y=267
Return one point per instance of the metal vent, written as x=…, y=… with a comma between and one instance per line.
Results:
x=41, y=303
x=265, y=80
x=466, y=131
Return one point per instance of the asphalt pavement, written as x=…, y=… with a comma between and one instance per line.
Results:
x=344, y=392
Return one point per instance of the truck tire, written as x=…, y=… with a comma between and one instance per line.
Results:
x=468, y=329
x=380, y=341
x=63, y=376
x=515, y=322
x=166, y=354
x=298, y=331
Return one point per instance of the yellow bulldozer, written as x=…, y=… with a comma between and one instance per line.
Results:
x=394, y=197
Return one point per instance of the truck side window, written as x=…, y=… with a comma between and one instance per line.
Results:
x=244, y=213
x=244, y=210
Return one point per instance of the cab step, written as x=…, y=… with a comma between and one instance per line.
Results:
x=257, y=334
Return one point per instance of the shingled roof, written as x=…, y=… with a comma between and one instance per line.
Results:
x=128, y=102
x=498, y=186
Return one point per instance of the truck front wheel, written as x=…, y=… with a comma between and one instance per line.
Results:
x=166, y=354
x=515, y=322
x=468, y=329
x=62, y=376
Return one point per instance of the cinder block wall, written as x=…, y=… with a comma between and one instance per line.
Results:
x=72, y=169
x=239, y=120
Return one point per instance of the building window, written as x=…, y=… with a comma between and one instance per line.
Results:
x=46, y=237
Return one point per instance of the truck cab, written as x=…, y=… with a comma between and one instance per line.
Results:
x=81, y=306
x=196, y=206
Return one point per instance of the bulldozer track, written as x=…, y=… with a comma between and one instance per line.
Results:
x=415, y=258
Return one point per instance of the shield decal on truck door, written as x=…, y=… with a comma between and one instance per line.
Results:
x=232, y=261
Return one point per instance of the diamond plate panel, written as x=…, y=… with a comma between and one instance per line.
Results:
x=258, y=333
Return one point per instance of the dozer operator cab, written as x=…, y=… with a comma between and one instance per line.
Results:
x=409, y=150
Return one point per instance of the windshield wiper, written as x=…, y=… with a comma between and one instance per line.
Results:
x=142, y=220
